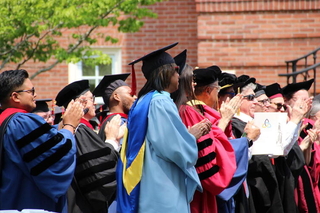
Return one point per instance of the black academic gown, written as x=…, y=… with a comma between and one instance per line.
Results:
x=263, y=189
x=101, y=133
x=94, y=184
x=287, y=172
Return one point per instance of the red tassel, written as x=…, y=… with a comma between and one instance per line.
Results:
x=133, y=82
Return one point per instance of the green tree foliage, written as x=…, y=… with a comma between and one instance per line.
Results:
x=31, y=29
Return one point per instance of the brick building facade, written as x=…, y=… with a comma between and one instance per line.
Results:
x=249, y=37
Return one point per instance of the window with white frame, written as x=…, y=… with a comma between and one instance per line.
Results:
x=94, y=74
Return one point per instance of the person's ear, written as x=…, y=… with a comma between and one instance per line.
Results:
x=15, y=97
x=116, y=97
x=208, y=90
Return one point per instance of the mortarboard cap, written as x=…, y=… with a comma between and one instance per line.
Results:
x=109, y=84
x=181, y=60
x=226, y=80
x=206, y=76
x=72, y=91
x=294, y=87
x=243, y=81
x=154, y=60
x=273, y=90
x=259, y=90
x=41, y=105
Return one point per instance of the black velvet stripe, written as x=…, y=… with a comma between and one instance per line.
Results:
x=307, y=186
x=32, y=136
x=206, y=159
x=203, y=144
x=95, y=169
x=36, y=152
x=206, y=174
x=98, y=183
x=49, y=161
x=93, y=155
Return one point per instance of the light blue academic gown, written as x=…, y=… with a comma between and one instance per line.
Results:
x=169, y=178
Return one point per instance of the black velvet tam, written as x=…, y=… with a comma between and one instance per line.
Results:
x=72, y=91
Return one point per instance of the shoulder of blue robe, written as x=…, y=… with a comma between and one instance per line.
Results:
x=171, y=140
x=96, y=166
x=240, y=146
x=41, y=152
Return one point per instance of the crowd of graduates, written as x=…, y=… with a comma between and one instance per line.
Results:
x=182, y=144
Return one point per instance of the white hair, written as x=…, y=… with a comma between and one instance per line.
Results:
x=315, y=108
x=249, y=86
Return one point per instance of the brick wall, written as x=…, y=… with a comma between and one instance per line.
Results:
x=252, y=37
x=256, y=37
x=177, y=21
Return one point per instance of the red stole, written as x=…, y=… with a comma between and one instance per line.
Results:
x=86, y=122
x=7, y=112
x=121, y=114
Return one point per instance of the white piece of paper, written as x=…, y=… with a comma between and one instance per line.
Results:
x=272, y=127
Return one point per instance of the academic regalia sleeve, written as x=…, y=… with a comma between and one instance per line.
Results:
x=216, y=160
x=291, y=136
x=173, y=141
x=263, y=184
x=240, y=146
x=95, y=170
x=295, y=160
x=42, y=152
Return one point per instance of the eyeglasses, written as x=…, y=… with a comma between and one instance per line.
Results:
x=265, y=101
x=212, y=87
x=217, y=87
x=279, y=105
x=32, y=91
x=93, y=98
x=250, y=97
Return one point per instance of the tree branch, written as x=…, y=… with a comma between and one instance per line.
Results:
x=44, y=69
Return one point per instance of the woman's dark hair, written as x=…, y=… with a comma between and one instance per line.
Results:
x=185, y=92
x=159, y=79
x=10, y=80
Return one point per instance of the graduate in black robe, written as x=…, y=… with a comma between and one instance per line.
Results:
x=262, y=194
x=94, y=184
x=117, y=96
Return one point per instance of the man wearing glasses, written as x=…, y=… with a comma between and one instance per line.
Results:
x=93, y=187
x=251, y=197
x=38, y=159
x=295, y=114
x=247, y=108
x=263, y=100
x=292, y=163
x=296, y=96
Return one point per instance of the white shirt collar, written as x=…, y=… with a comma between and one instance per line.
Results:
x=244, y=117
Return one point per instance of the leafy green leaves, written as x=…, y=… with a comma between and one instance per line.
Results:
x=40, y=30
